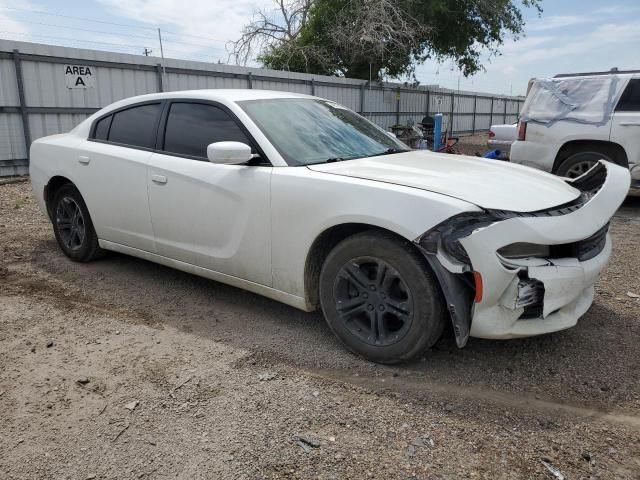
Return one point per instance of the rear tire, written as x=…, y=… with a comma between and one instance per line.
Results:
x=73, y=227
x=380, y=298
x=579, y=163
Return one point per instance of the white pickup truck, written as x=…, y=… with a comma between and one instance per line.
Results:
x=501, y=137
x=570, y=122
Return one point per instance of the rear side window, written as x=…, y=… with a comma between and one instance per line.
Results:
x=102, y=128
x=630, y=99
x=191, y=127
x=135, y=126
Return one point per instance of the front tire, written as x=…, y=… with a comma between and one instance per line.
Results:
x=73, y=227
x=380, y=298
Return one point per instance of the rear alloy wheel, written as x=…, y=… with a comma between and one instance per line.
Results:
x=71, y=223
x=580, y=163
x=73, y=227
x=380, y=299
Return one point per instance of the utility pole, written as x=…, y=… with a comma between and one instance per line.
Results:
x=147, y=51
x=161, y=51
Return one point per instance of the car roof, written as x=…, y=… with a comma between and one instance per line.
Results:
x=222, y=95
x=218, y=94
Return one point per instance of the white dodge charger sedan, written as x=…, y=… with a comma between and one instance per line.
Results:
x=301, y=200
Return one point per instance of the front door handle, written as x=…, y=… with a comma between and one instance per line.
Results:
x=161, y=179
x=630, y=124
x=84, y=160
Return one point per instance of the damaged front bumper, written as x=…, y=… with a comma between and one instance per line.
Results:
x=497, y=297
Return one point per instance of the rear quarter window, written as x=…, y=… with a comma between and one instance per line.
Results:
x=101, y=131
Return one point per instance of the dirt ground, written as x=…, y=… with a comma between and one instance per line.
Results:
x=123, y=369
x=474, y=144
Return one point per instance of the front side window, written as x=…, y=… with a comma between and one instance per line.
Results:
x=135, y=126
x=307, y=131
x=191, y=127
x=630, y=99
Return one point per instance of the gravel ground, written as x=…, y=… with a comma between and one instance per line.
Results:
x=125, y=369
x=472, y=144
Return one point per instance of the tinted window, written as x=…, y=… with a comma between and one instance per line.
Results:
x=193, y=126
x=102, y=128
x=630, y=100
x=135, y=126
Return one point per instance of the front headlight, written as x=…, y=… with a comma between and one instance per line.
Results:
x=525, y=250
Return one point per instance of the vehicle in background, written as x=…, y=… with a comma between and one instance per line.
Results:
x=390, y=243
x=501, y=137
x=570, y=122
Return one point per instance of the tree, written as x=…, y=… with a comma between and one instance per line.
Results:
x=384, y=38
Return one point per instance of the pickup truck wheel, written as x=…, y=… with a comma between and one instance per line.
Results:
x=72, y=226
x=380, y=299
x=579, y=163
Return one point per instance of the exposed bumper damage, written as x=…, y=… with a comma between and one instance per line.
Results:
x=508, y=274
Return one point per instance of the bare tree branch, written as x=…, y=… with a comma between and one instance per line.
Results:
x=268, y=29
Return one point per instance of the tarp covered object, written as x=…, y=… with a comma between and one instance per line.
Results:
x=589, y=100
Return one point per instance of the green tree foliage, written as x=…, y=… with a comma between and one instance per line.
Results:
x=347, y=37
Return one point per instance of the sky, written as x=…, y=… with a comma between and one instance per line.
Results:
x=569, y=36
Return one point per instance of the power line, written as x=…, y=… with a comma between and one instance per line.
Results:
x=39, y=12
x=88, y=30
x=84, y=19
x=118, y=47
x=71, y=39
x=153, y=39
x=194, y=36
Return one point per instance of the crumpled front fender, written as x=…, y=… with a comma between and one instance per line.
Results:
x=494, y=315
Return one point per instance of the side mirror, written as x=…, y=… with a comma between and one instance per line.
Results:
x=230, y=153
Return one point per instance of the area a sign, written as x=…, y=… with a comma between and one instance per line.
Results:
x=78, y=76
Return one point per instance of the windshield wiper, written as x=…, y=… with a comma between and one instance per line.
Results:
x=328, y=160
x=389, y=151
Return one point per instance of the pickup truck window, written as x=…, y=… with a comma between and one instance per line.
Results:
x=630, y=99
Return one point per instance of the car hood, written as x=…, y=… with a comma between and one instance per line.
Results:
x=490, y=184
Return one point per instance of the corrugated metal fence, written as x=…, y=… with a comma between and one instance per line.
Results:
x=36, y=100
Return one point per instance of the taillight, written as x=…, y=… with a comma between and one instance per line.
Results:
x=491, y=134
x=522, y=131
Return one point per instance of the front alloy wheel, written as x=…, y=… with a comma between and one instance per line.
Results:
x=380, y=298
x=373, y=301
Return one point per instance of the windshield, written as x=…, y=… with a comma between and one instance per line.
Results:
x=307, y=131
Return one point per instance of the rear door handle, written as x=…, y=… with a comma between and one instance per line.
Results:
x=161, y=179
x=630, y=124
x=84, y=160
